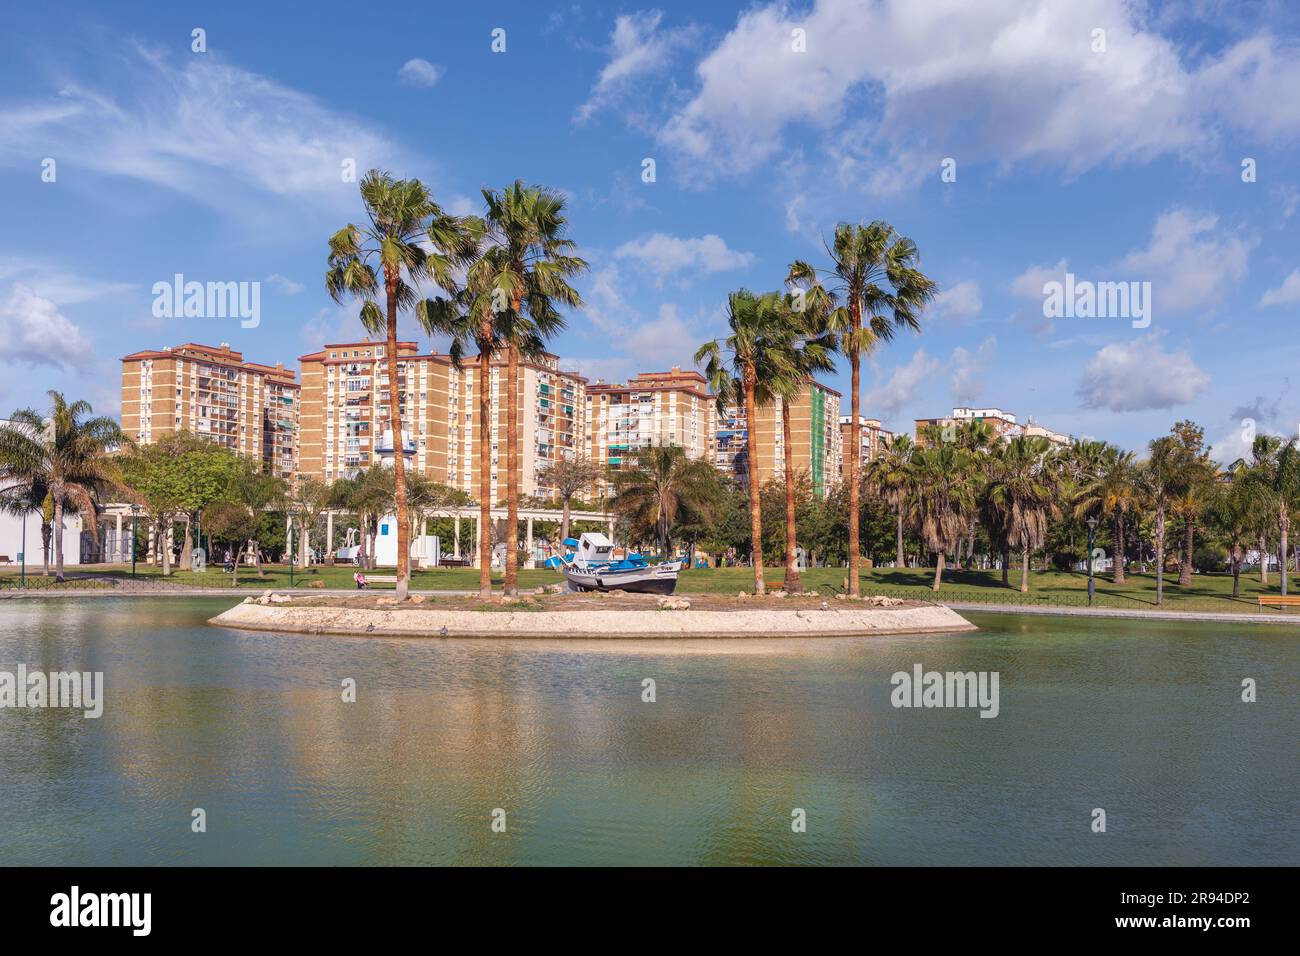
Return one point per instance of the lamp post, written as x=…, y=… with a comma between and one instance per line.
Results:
x=135, y=510
x=1092, y=585
x=22, y=571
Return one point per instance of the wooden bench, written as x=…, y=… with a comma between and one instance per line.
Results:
x=454, y=563
x=5, y=559
x=1279, y=600
x=380, y=579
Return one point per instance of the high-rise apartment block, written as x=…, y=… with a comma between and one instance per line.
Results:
x=250, y=408
x=815, y=432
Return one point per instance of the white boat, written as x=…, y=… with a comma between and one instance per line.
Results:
x=592, y=567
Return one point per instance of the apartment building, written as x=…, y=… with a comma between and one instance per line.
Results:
x=873, y=437
x=248, y=407
x=345, y=415
x=1003, y=424
x=815, y=432
x=653, y=408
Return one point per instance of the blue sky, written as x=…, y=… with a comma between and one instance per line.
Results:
x=1115, y=164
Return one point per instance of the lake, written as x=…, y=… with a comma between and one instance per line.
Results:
x=1143, y=719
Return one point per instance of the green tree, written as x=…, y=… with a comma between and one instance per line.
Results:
x=872, y=288
x=68, y=454
x=1111, y=491
x=569, y=478
x=1162, y=477
x=651, y=496
x=945, y=498
x=742, y=369
x=407, y=239
x=890, y=473
x=1023, y=488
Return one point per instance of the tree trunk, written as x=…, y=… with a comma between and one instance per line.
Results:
x=1236, y=571
x=58, y=539
x=792, y=582
x=755, y=502
x=47, y=531
x=1118, y=567
x=564, y=522
x=1263, y=561
x=165, y=529
x=1024, y=571
x=1160, y=557
x=187, y=546
x=900, y=560
x=938, y=571
x=399, y=445
x=1185, y=571
x=234, y=567
x=855, y=452
x=1006, y=566
x=1284, y=526
x=485, y=471
x=512, y=470
x=256, y=549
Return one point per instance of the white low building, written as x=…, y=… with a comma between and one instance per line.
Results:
x=11, y=541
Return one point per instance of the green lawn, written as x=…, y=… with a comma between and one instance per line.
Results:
x=1208, y=592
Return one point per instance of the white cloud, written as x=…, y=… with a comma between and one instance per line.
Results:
x=284, y=284
x=968, y=369
x=53, y=283
x=665, y=341
x=418, y=72
x=637, y=49
x=1285, y=294
x=34, y=332
x=898, y=85
x=960, y=301
x=903, y=386
x=1138, y=375
x=203, y=128
x=666, y=255
x=1190, y=261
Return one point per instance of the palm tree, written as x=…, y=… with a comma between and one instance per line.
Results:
x=568, y=478
x=527, y=261
x=407, y=239
x=1277, y=473
x=891, y=474
x=1236, y=510
x=663, y=484
x=875, y=288
x=808, y=351
x=68, y=454
x=1111, y=491
x=945, y=498
x=1199, y=474
x=1023, y=488
x=1162, y=479
x=746, y=365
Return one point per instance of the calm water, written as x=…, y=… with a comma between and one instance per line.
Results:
x=1141, y=718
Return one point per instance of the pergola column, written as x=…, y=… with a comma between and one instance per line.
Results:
x=117, y=539
x=456, y=553
x=528, y=544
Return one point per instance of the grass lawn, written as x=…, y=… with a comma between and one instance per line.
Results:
x=1207, y=592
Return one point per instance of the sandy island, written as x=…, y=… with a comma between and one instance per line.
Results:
x=591, y=616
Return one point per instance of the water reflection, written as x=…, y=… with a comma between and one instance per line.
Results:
x=1141, y=718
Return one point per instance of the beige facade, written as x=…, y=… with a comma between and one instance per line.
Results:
x=654, y=408
x=212, y=392
x=815, y=432
x=873, y=437
x=345, y=415
x=1003, y=424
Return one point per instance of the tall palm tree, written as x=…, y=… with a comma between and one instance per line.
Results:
x=407, y=239
x=891, y=474
x=527, y=260
x=745, y=366
x=1199, y=476
x=808, y=349
x=1236, y=511
x=873, y=288
x=1277, y=477
x=945, y=499
x=1162, y=478
x=662, y=484
x=68, y=454
x=1111, y=492
x=1024, y=485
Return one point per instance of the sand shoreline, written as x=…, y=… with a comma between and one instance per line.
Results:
x=594, y=623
